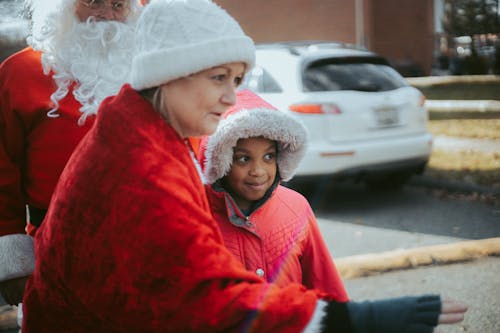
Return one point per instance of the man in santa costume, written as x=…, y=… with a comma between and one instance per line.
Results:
x=79, y=53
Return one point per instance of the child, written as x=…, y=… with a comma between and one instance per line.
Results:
x=271, y=229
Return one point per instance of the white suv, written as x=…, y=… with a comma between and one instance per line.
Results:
x=364, y=120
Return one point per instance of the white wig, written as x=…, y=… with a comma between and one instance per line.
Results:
x=94, y=54
x=48, y=16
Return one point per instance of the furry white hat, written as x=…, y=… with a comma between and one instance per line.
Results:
x=176, y=38
x=251, y=116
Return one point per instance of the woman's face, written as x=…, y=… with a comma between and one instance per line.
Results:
x=193, y=105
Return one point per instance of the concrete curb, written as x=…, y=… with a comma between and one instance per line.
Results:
x=463, y=109
x=374, y=263
x=464, y=105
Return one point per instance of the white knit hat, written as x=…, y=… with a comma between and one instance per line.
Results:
x=251, y=116
x=176, y=38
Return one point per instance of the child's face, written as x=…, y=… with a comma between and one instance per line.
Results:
x=253, y=170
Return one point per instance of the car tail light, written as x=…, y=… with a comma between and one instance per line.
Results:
x=315, y=108
x=421, y=102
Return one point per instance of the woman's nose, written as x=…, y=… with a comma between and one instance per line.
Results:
x=229, y=96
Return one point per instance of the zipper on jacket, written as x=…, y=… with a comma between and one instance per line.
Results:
x=248, y=223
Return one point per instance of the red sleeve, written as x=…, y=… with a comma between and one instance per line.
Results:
x=12, y=199
x=318, y=267
x=34, y=148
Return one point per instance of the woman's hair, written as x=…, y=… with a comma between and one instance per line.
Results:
x=152, y=95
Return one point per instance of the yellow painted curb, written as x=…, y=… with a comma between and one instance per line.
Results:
x=369, y=264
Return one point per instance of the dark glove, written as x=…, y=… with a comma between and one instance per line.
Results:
x=418, y=314
x=12, y=290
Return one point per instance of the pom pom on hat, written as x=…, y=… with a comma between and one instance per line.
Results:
x=176, y=38
x=251, y=116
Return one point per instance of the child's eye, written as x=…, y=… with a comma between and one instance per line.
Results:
x=241, y=159
x=270, y=156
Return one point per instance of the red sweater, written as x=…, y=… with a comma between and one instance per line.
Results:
x=34, y=148
x=129, y=243
x=280, y=240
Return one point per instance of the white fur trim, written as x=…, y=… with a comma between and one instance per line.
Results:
x=276, y=125
x=314, y=325
x=17, y=257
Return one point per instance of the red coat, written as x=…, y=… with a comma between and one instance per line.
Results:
x=34, y=148
x=280, y=240
x=129, y=243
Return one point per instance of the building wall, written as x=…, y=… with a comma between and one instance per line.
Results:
x=284, y=20
x=401, y=30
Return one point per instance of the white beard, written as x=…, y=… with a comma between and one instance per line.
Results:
x=96, y=56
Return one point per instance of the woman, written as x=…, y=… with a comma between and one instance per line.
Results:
x=129, y=243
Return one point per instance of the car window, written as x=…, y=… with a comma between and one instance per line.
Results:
x=260, y=81
x=326, y=76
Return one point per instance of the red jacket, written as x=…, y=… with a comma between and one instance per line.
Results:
x=280, y=240
x=34, y=148
x=129, y=243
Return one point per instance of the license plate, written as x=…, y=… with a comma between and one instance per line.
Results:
x=386, y=117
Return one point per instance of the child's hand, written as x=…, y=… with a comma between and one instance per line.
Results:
x=452, y=312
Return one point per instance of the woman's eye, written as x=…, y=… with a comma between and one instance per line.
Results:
x=219, y=77
x=238, y=80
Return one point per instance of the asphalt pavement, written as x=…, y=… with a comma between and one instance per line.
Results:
x=380, y=263
x=476, y=283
